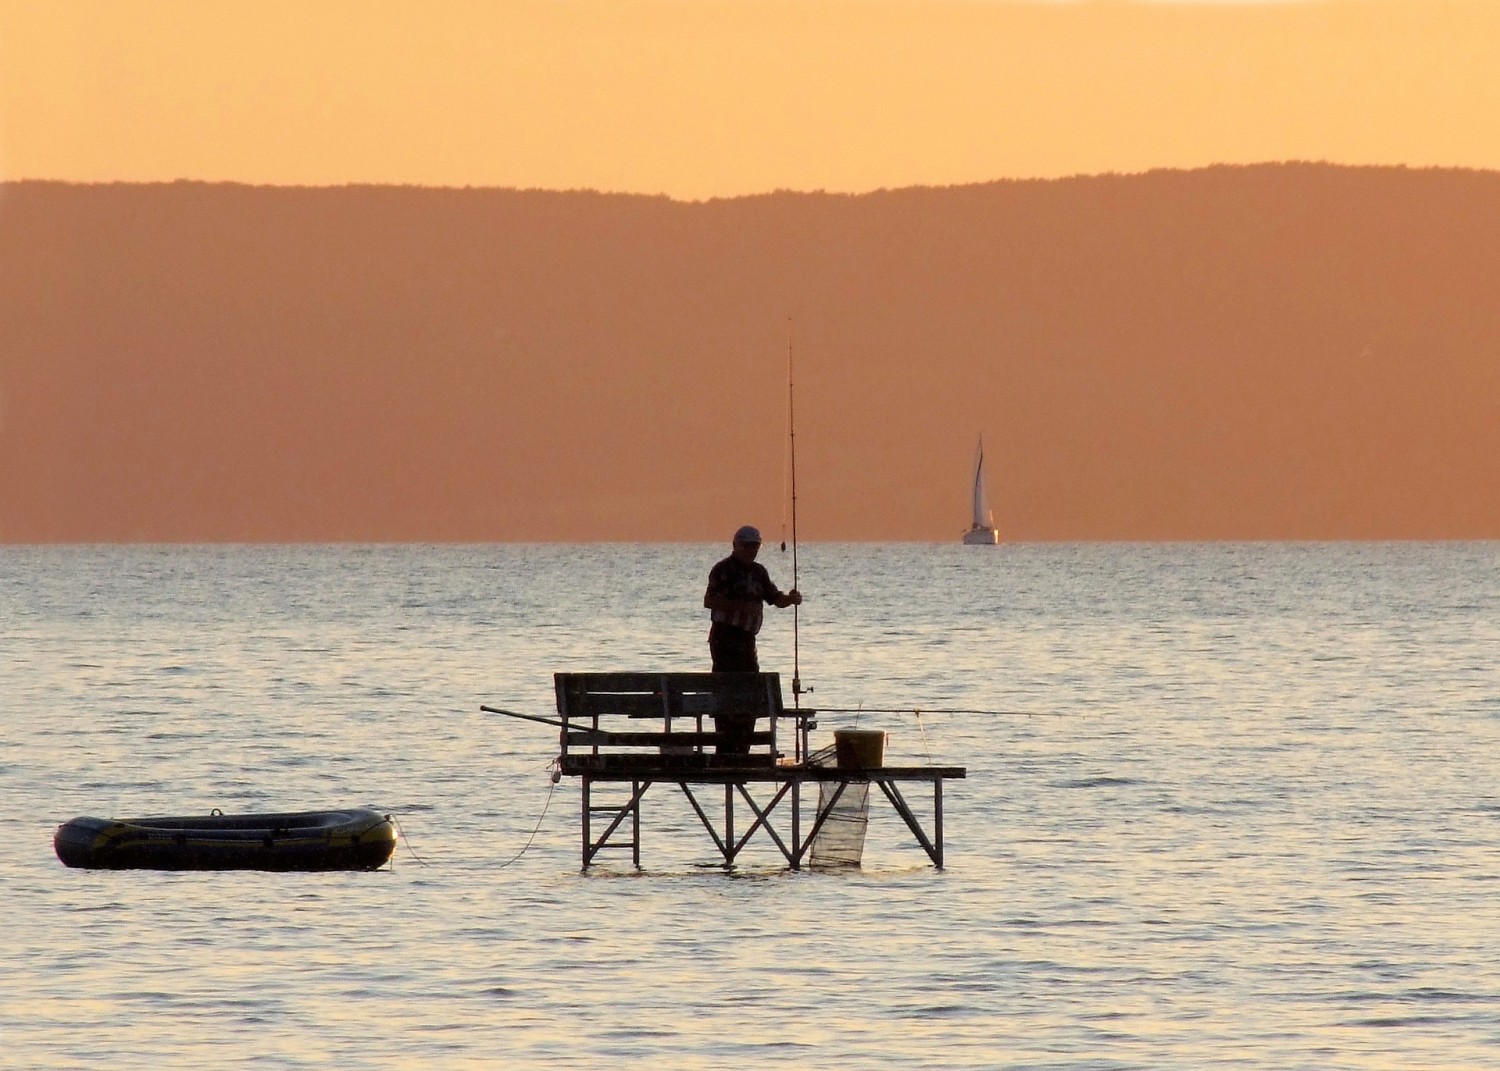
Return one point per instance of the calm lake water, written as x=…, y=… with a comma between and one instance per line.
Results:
x=1235, y=806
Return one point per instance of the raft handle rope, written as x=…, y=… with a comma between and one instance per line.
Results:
x=393, y=820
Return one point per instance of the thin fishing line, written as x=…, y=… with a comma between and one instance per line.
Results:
x=923, y=730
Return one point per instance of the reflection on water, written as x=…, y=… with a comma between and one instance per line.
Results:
x=1242, y=811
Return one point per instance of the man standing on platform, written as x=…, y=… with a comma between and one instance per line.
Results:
x=738, y=589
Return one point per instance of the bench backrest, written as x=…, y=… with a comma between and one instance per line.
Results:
x=666, y=712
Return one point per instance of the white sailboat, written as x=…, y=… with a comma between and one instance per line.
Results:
x=982, y=533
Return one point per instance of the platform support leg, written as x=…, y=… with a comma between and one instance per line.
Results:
x=796, y=853
x=584, y=824
x=729, y=846
x=635, y=812
x=933, y=847
x=937, y=821
x=631, y=809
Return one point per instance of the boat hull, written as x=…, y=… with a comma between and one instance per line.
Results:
x=982, y=537
x=358, y=839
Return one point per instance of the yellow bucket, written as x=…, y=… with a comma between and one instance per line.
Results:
x=859, y=749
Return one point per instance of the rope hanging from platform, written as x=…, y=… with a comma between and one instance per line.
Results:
x=554, y=778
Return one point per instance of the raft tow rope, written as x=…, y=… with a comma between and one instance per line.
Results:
x=554, y=778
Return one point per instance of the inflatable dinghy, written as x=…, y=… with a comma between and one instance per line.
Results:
x=359, y=839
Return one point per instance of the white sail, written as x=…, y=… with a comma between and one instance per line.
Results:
x=983, y=516
x=982, y=532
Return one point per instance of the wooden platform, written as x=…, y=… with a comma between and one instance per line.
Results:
x=622, y=733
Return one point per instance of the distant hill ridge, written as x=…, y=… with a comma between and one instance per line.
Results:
x=1297, y=351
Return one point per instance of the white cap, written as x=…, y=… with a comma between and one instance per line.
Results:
x=747, y=534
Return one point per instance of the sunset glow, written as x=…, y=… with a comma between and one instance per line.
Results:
x=698, y=98
x=336, y=271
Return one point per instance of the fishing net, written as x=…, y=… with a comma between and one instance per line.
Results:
x=841, y=841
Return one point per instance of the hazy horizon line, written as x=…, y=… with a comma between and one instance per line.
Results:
x=955, y=542
x=779, y=191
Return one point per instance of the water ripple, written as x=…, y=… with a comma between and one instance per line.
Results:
x=1257, y=833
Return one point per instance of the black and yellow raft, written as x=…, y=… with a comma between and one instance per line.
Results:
x=358, y=839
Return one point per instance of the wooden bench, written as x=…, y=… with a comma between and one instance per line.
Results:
x=619, y=722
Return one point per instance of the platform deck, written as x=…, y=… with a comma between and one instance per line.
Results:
x=623, y=732
x=772, y=798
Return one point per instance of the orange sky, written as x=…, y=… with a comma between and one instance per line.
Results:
x=699, y=98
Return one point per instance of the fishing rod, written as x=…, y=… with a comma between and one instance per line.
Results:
x=528, y=717
x=940, y=710
x=791, y=427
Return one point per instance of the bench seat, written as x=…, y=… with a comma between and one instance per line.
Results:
x=618, y=721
